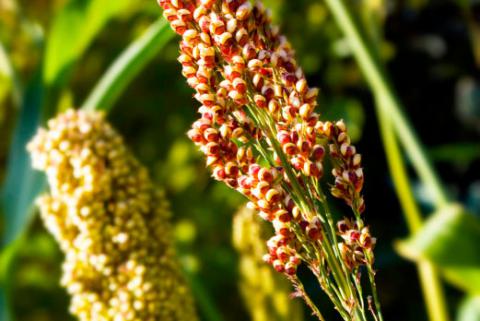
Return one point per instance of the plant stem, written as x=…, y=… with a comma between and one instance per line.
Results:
x=376, y=77
x=431, y=286
x=133, y=59
x=371, y=277
x=301, y=290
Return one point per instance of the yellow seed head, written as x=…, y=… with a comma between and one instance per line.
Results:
x=111, y=223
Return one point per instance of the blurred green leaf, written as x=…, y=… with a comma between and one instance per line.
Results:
x=7, y=256
x=469, y=309
x=4, y=315
x=128, y=65
x=463, y=153
x=449, y=239
x=22, y=184
x=73, y=29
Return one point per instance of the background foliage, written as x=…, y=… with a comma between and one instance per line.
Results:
x=53, y=53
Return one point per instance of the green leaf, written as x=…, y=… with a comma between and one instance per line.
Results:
x=461, y=153
x=469, y=309
x=128, y=65
x=449, y=239
x=4, y=311
x=8, y=71
x=73, y=29
x=22, y=184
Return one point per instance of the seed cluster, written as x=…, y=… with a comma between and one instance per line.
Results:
x=256, y=106
x=111, y=223
x=357, y=242
x=265, y=293
x=347, y=167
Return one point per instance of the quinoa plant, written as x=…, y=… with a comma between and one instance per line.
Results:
x=262, y=136
x=111, y=223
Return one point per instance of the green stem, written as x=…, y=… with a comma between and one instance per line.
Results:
x=373, y=285
x=128, y=65
x=378, y=81
x=431, y=286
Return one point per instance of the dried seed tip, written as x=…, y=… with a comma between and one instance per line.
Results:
x=273, y=196
x=283, y=216
x=290, y=149
x=278, y=266
x=313, y=232
x=273, y=106
x=305, y=111
x=265, y=175
x=111, y=267
x=341, y=126
x=244, y=11
x=311, y=94
x=224, y=38
x=291, y=268
x=357, y=160
x=199, y=12
x=296, y=213
x=170, y=14
x=179, y=26
x=318, y=152
x=190, y=35
x=254, y=64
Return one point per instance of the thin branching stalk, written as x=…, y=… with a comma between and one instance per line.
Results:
x=261, y=136
x=391, y=118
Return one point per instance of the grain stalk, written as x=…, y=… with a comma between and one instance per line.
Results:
x=261, y=136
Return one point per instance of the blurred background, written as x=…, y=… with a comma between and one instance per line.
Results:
x=432, y=53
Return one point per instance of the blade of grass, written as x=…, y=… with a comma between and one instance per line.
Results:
x=376, y=77
x=22, y=185
x=72, y=31
x=428, y=275
x=127, y=66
